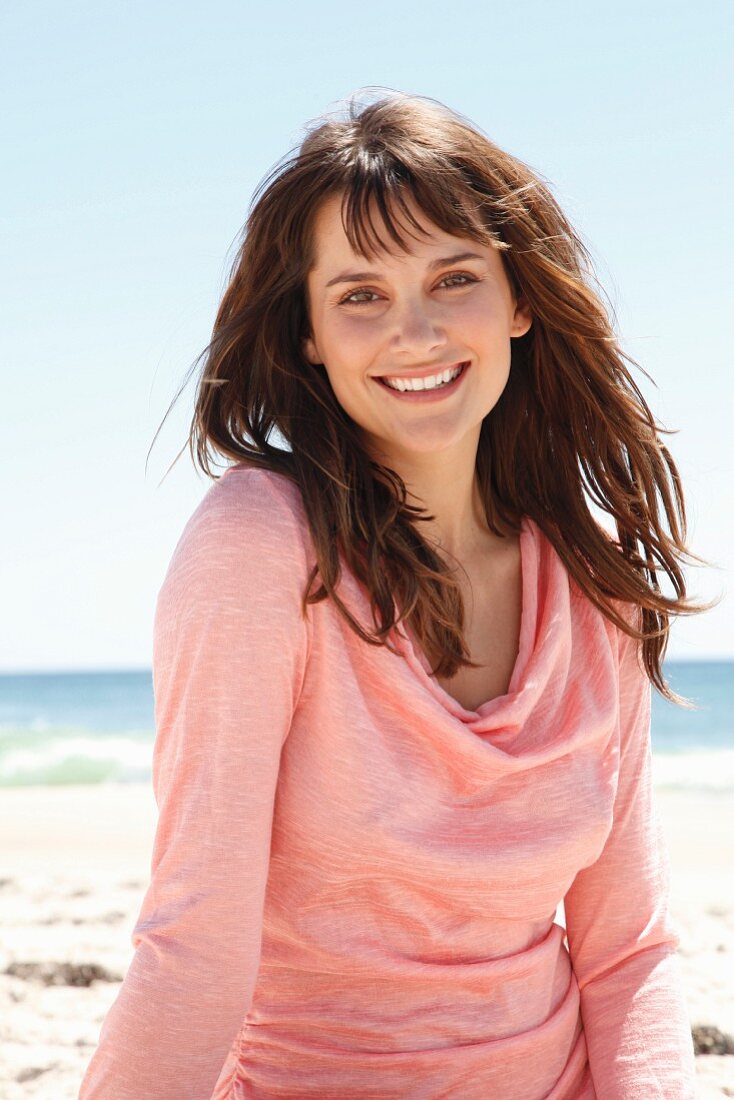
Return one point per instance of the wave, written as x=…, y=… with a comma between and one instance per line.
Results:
x=30, y=757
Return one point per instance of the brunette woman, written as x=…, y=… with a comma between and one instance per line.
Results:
x=402, y=673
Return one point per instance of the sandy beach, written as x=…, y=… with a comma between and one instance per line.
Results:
x=74, y=865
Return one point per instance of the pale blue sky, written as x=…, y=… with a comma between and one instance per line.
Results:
x=133, y=137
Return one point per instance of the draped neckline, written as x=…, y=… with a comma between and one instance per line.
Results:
x=413, y=652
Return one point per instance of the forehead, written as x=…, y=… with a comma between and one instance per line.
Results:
x=331, y=243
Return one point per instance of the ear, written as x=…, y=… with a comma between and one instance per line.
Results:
x=523, y=318
x=310, y=351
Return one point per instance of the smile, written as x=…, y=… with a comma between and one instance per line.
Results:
x=430, y=387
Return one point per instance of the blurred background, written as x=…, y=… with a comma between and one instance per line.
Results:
x=133, y=137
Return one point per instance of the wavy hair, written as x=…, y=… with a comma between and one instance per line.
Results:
x=570, y=426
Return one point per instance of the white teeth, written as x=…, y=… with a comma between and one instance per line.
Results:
x=429, y=383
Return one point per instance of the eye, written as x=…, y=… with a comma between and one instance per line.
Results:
x=460, y=275
x=350, y=299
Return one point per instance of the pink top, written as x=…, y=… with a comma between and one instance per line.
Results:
x=354, y=879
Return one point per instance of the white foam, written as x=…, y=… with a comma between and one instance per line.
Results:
x=702, y=769
x=120, y=758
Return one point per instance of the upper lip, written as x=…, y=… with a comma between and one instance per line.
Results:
x=423, y=372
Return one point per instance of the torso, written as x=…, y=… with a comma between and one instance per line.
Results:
x=493, y=610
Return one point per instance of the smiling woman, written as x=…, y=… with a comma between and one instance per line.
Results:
x=402, y=675
x=424, y=329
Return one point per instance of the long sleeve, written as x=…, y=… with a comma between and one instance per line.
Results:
x=622, y=940
x=230, y=647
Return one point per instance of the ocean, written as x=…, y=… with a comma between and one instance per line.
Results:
x=98, y=727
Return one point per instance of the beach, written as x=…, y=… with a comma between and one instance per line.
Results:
x=75, y=864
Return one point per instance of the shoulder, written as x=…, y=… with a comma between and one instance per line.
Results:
x=628, y=649
x=246, y=540
x=247, y=512
x=624, y=647
x=246, y=498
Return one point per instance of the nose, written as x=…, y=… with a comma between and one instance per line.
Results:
x=418, y=331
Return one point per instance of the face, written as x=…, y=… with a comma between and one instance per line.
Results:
x=410, y=316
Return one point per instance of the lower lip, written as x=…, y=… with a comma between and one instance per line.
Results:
x=428, y=396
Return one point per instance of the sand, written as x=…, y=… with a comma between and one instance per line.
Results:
x=74, y=865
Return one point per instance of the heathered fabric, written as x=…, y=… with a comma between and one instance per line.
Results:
x=355, y=880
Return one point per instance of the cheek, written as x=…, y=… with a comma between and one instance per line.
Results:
x=484, y=321
x=351, y=342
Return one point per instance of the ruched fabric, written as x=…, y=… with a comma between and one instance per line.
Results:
x=356, y=882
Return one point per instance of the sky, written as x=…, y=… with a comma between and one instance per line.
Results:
x=133, y=138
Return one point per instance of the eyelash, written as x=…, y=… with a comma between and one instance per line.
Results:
x=364, y=290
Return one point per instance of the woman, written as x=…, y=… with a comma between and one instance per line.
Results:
x=402, y=676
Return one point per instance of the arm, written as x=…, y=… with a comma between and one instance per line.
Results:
x=229, y=655
x=621, y=938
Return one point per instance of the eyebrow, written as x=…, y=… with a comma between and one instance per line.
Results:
x=444, y=261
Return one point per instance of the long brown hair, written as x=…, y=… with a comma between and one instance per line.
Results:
x=571, y=421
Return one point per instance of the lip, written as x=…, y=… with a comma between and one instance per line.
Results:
x=428, y=396
x=425, y=372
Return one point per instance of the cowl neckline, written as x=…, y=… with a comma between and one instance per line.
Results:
x=543, y=628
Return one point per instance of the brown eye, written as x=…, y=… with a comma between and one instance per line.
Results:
x=460, y=275
x=353, y=299
x=349, y=299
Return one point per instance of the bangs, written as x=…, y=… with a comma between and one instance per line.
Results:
x=381, y=195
